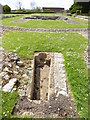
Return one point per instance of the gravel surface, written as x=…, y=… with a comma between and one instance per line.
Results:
x=43, y=29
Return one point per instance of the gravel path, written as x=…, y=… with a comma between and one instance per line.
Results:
x=43, y=29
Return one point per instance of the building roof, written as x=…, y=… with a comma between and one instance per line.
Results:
x=81, y=0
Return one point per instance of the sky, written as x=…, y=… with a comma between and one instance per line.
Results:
x=40, y=3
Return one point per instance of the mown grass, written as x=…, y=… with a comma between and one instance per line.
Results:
x=42, y=23
x=79, y=20
x=71, y=45
x=8, y=103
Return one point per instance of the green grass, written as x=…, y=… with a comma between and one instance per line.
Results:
x=79, y=20
x=8, y=103
x=71, y=45
x=42, y=23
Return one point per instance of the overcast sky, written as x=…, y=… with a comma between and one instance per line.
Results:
x=40, y=3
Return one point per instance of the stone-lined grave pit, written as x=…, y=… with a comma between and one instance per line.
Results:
x=48, y=77
x=47, y=94
x=67, y=20
x=41, y=83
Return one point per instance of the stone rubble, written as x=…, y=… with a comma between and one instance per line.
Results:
x=5, y=16
x=14, y=73
x=43, y=29
x=46, y=17
x=9, y=86
x=68, y=20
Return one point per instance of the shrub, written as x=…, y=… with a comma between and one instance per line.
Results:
x=75, y=7
x=6, y=9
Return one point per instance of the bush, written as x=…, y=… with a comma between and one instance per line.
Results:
x=75, y=7
x=6, y=9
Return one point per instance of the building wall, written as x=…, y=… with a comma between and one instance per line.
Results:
x=1, y=9
x=56, y=10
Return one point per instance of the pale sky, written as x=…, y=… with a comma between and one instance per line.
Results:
x=40, y=3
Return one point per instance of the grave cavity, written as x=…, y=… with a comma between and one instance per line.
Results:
x=49, y=78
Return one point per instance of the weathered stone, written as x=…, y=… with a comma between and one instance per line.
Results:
x=6, y=59
x=14, y=58
x=59, y=76
x=25, y=76
x=1, y=59
x=8, y=64
x=9, y=86
x=69, y=14
x=30, y=68
x=14, y=89
x=50, y=107
x=10, y=72
x=20, y=63
x=15, y=72
x=6, y=77
x=1, y=65
x=17, y=67
x=2, y=74
x=66, y=19
x=6, y=69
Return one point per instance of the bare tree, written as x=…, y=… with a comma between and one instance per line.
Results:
x=33, y=4
x=18, y=5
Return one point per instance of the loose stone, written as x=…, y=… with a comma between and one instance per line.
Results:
x=9, y=86
x=6, y=77
x=20, y=63
x=6, y=69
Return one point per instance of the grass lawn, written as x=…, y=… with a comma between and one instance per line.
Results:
x=71, y=45
x=79, y=20
x=8, y=102
x=43, y=23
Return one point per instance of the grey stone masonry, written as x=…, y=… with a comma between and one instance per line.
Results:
x=59, y=75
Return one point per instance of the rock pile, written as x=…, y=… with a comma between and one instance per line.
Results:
x=5, y=16
x=47, y=17
x=68, y=20
x=14, y=73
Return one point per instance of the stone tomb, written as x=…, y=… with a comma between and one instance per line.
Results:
x=49, y=78
x=67, y=20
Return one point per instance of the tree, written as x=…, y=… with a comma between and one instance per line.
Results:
x=6, y=9
x=33, y=4
x=37, y=9
x=20, y=5
x=75, y=7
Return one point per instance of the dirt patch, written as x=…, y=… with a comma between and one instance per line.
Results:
x=62, y=107
x=41, y=77
x=49, y=96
